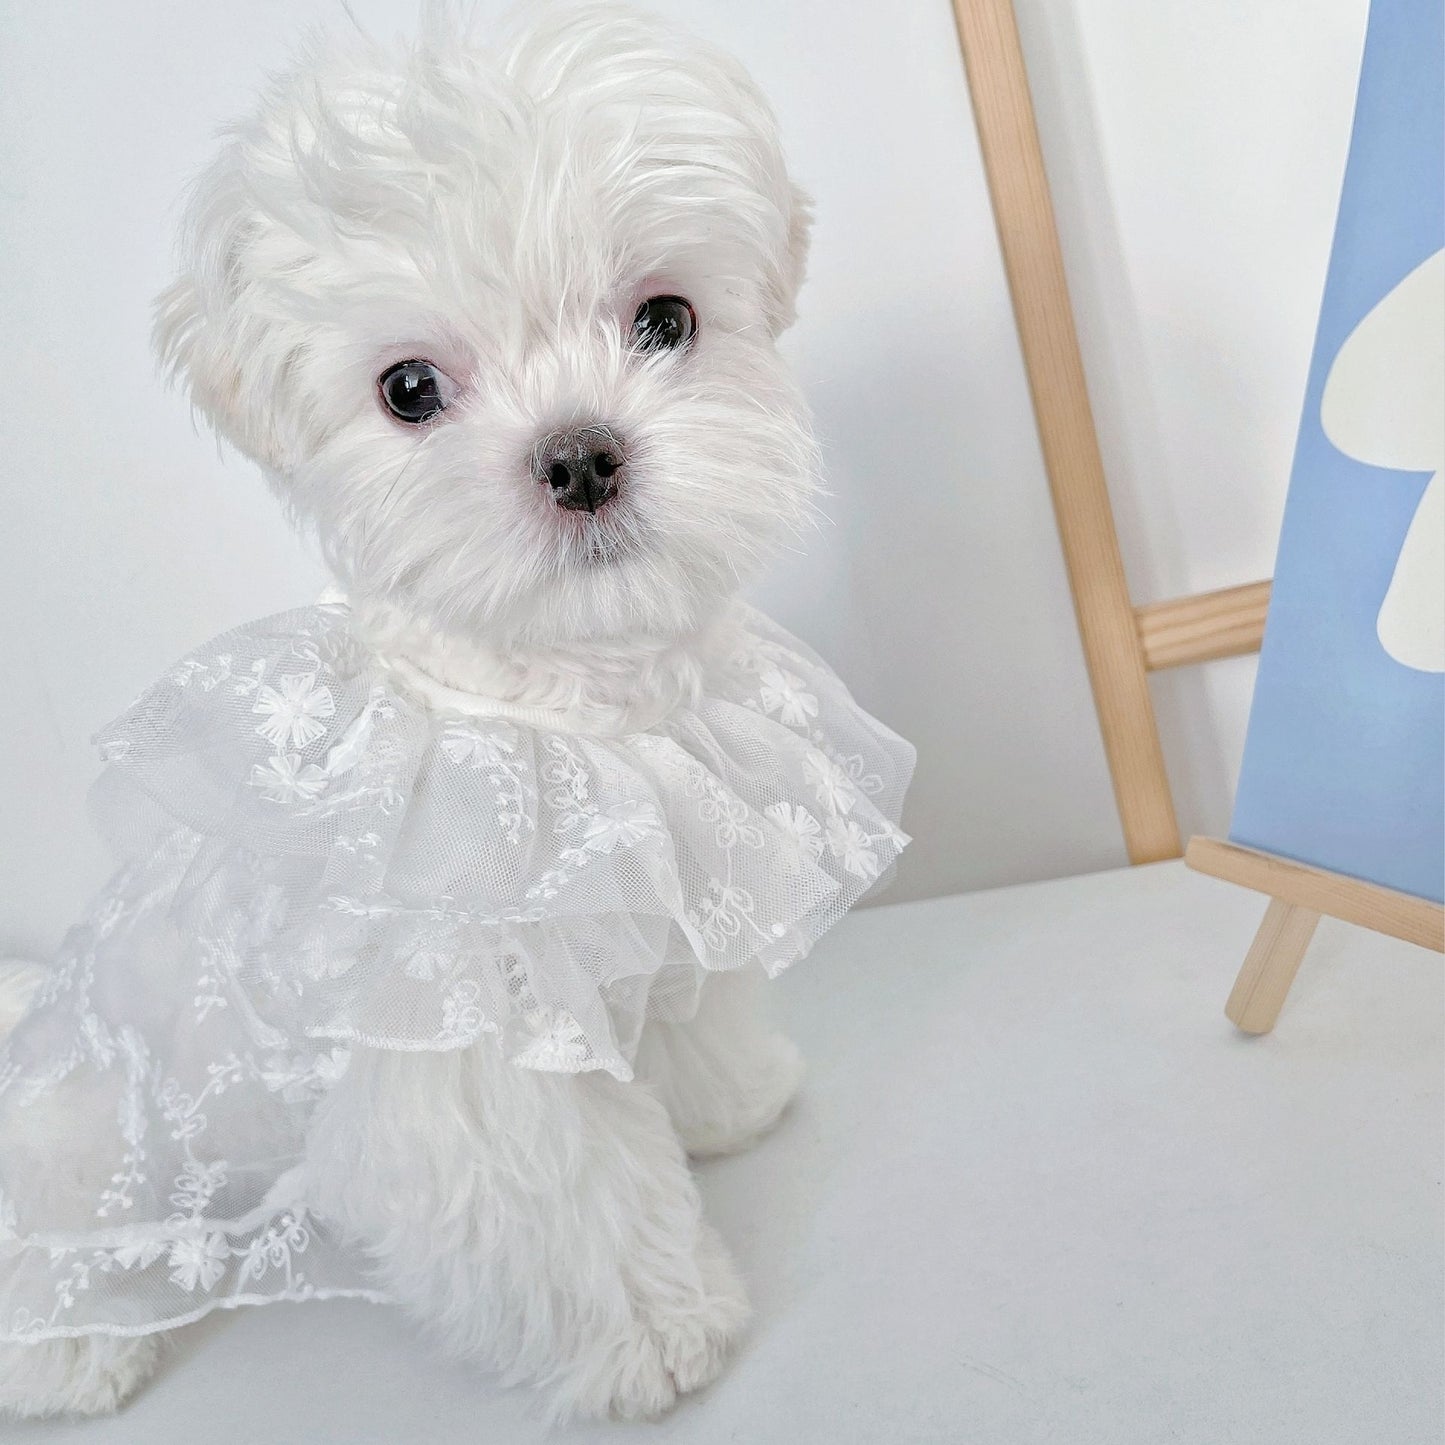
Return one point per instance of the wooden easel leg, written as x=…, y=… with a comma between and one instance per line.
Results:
x=1270, y=966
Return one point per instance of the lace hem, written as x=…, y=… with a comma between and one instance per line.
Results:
x=179, y=1275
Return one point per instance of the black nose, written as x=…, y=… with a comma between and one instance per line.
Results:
x=583, y=468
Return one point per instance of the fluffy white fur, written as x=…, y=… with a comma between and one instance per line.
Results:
x=501, y=212
x=502, y=215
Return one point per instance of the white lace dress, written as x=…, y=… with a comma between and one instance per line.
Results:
x=315, y=857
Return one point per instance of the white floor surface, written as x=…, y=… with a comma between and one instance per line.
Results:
x=1036, y=1189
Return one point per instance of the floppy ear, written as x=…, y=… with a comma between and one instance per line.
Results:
x=210, y=330
x=187, y=337
x=787, y=277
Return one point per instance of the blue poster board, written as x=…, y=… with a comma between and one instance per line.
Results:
x=1344, y=764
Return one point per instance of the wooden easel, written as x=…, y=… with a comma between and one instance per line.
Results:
x=1124, y=643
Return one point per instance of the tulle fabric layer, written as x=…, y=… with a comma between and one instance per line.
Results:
x=316, y=858
x=374, y=871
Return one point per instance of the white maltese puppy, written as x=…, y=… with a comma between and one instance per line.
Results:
x=445, y=904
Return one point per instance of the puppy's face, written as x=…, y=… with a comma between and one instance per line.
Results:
x=502, y=328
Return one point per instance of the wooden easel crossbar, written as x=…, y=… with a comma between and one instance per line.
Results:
x=1123, y=643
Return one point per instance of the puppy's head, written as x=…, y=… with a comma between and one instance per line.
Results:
x=501, y=325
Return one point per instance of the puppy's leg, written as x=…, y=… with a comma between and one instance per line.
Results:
x=727, y=1074
x=92, y=1374
x=547, y=1224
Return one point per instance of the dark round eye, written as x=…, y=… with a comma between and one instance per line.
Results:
x=416, y=391
x=664, y=323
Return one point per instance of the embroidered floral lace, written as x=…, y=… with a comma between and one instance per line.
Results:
x=314, y=859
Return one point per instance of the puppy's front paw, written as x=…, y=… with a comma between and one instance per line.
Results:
x=697, y=1330
x=627, y=1379
x=729, y=1120
x=677, y=1340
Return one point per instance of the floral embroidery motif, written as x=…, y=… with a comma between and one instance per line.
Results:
x=721, y=916
x=830, y=781
x=570, y=791
x=351, y=747
x=288, y=778
x=559, y=1046
x=462, y=1020
x=210, y=675
x=198, y=1260
x=599, y=831
x=854, y=765
x=196, y=1183
x=730, y=816
x=275, y=1249
x=296, y=711
x=209, y=994
x=481, y=744
x=800, y=827
x=490, y=746
x=300, y=1079
x=623, y=825
x=848, y=843
x=782, y=693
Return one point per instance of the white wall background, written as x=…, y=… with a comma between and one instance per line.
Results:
x=1195, y=154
